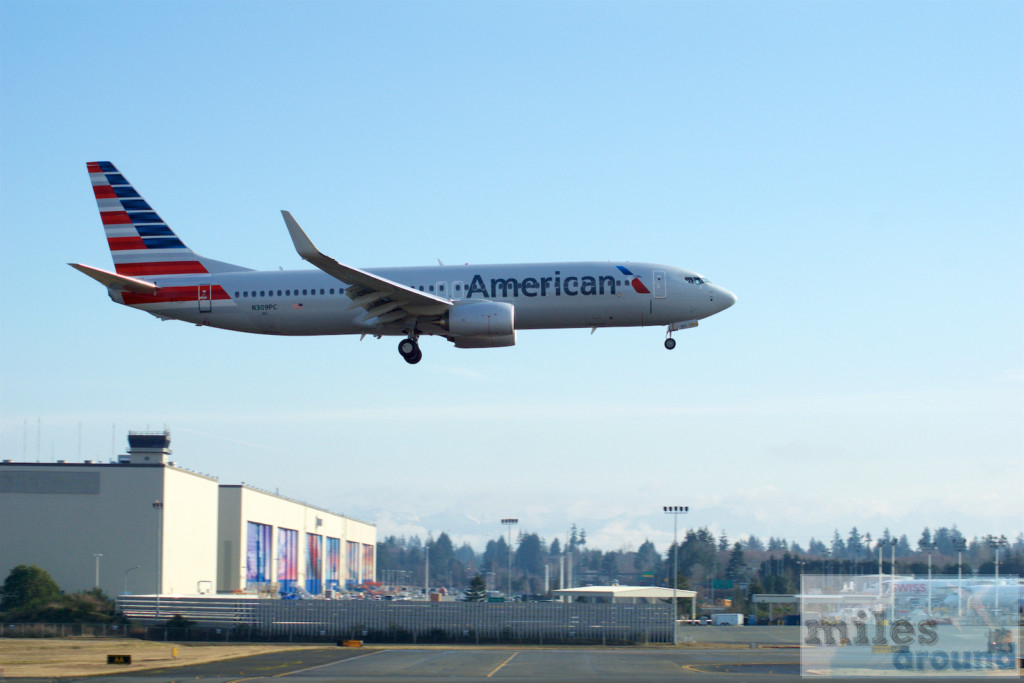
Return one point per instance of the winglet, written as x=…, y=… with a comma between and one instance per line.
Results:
x=302, y=243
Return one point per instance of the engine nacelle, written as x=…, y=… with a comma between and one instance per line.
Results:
x=485, y=342
x=482, y=324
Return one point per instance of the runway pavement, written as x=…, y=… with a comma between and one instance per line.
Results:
x=508, y=665
x=653, y=664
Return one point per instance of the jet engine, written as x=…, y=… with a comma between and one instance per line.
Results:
x=482, y=324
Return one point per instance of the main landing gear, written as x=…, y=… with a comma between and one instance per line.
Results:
x=409, y=349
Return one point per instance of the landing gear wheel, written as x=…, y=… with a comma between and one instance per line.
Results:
x=409, y=349
x=670, y=343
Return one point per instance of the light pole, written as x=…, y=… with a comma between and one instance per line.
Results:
x=960, y=544
x=997, y=543
x=159, y=507
x=880, y=567
x=97, y=556
x=929, y=547
x=675, y=511
x=510, y=522
x=130, y=569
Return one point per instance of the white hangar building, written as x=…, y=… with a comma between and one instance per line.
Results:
x=143, y=525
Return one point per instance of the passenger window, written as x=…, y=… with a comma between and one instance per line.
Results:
x=279, y=292
x=431, y=288
x=263, y=293
x=303, y=292
x=245, y=295
x=458, y=288
x=332, y=290
x=440, y=288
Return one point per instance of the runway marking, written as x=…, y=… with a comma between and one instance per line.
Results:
x=498, y=668
x=321, y=666
x=725, y=670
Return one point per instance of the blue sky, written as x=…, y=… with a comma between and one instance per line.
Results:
x=853, y=171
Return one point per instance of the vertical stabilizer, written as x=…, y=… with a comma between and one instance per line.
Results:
x=141, y=243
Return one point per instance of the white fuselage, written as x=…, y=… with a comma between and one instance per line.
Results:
x=545, y=295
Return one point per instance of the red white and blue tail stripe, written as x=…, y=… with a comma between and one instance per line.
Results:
x=141, y=243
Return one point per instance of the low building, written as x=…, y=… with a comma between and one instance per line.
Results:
x=269, y=543
x=142, y=524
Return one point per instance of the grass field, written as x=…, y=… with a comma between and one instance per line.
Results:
x=43, y=657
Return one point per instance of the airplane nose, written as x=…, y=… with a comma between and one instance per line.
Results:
x=725, y=298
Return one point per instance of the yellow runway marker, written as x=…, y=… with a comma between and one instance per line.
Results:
x=498, y=668
x=322, y=666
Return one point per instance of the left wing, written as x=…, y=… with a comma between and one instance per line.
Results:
x=383, y=299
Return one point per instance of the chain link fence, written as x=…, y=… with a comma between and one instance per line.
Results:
x=250, y=620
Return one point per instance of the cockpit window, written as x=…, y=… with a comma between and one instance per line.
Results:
x=698, y=280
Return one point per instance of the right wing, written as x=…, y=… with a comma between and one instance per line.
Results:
x=384, y=300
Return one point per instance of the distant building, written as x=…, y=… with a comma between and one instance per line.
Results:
x=146, y=525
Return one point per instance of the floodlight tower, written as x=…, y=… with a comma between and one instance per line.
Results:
x=997, y=543
x=675, y=511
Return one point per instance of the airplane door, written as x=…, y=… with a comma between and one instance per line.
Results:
x=205, y=300
x=660, y=286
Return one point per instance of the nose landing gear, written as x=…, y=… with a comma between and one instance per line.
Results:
x=670, y=343
x=409, y=349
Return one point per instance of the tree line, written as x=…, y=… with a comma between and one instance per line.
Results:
x=704, y=560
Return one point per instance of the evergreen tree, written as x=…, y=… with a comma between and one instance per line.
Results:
x=466, y=556
x=529, y=556
x=854, y=544
x=737, y=564
x=838, y=548
x=477, y=591
x=925, y=541
x=495, y=555
x=647, y=559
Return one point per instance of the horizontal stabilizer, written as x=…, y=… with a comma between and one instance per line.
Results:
x=115, y=281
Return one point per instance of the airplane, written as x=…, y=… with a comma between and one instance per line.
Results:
x=472, y=306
